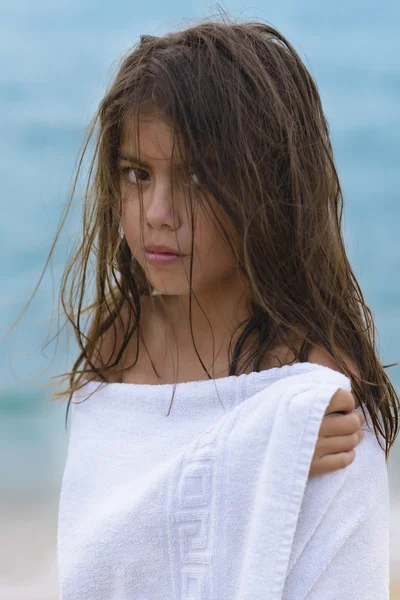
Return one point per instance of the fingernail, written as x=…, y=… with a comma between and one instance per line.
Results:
x=362, y=418
x=362, y=434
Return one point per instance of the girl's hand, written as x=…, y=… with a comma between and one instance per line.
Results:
x=339, y=434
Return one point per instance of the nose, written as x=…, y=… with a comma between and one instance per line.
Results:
x=161, y=207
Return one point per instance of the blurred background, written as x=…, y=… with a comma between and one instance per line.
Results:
x=57, y=58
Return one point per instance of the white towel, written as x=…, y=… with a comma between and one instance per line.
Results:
x=240, y=518
x=322, y=538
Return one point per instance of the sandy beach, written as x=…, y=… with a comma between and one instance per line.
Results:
x=395, y=591
x=28, y=566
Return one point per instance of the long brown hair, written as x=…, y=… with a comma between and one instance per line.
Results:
x=250, y=120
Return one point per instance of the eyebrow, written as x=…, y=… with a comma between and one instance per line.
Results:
x=142, y=163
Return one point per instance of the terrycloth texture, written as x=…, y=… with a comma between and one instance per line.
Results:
x=214, y=502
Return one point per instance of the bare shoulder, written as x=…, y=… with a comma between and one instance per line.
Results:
x=317, y=355
x=322, y=357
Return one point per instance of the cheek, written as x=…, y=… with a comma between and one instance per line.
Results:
x=210, y=246
x=130, y=221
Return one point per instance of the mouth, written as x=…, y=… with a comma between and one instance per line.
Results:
x=162, y=258
x=161, y=249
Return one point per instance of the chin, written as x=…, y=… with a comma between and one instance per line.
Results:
x=179, y=289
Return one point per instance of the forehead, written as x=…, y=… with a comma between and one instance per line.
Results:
x=151, y=137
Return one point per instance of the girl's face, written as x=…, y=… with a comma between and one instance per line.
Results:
x=167, y=221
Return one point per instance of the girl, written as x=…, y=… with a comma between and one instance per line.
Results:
x=214, y=222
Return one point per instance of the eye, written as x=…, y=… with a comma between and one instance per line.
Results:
x=192, y=180
x=138, y=174
x=195, y=180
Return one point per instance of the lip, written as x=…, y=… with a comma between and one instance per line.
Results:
x=161, y=249
x=162, y=258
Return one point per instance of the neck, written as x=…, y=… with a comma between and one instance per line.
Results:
x=214, y=314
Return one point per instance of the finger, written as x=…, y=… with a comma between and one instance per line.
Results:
x=332, y=462
x=337, y=444
x=341, y=401
x=340, y=425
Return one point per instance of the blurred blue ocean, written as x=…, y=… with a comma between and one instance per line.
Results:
x=56, y=61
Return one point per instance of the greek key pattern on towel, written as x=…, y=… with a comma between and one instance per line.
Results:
x=194, y=500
